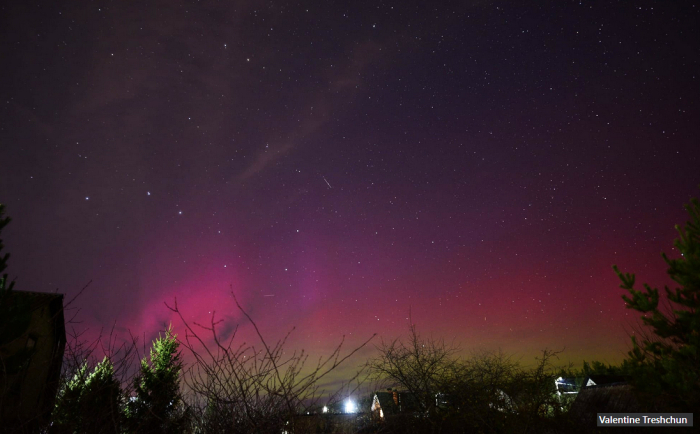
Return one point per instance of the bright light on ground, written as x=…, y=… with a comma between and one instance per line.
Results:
x=350, y=406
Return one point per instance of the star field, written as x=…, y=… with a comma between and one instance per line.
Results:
x=480, y=164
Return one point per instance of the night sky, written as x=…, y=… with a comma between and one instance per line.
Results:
x=480, y=164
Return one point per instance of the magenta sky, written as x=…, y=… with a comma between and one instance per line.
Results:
x=481, y=164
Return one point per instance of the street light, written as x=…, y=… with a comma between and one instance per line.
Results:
x=350, y=406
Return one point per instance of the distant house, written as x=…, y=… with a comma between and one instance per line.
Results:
x=566, y=386
x=567, y=389
x=32, y=341
x=391, y=402
x=383, y=404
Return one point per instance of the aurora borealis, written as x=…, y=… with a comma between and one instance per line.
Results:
x=480, y=164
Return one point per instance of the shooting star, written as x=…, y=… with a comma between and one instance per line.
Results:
x=268, y=295
x=329, y=184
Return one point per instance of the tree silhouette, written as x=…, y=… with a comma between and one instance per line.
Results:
x=89, y=402
x=666, y=365
x=4, y=285
x=158, y=406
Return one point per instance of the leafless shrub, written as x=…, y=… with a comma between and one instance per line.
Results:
x=237, y=387
x=488, y=392
x=422, y=367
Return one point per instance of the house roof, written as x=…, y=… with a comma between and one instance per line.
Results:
x=603, y=381
x=614, y=398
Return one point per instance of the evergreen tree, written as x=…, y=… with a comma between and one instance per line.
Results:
x=158, y=406
x=89, y=403
x=600, y=368
x=666, y=366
